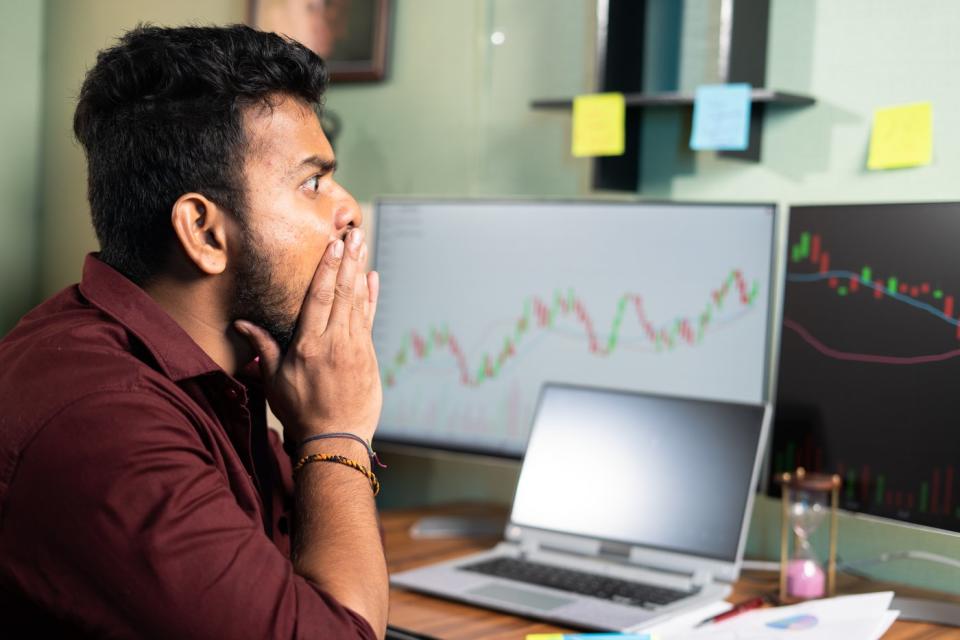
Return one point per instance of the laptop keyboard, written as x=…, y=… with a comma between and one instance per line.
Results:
x=582, y=582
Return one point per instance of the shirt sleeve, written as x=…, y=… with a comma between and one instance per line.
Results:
x=126, y=527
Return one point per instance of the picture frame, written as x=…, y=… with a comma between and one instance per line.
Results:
x=350, y=35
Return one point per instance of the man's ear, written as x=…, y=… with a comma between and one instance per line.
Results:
x=201, y=228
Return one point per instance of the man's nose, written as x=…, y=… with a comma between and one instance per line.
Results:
x=348, y=214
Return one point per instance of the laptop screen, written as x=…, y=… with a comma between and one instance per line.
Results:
x=652, y=471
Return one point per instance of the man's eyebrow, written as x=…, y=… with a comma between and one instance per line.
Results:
x=324, y=165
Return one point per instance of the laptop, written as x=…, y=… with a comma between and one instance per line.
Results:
x=630, y=508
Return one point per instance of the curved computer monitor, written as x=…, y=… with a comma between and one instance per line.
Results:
x=484, y=301
x=870, y=357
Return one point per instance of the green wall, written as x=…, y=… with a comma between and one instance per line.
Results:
x=21, y=49
x=852, y=56
x=454, y=117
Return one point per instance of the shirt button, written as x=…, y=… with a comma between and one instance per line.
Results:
x=232, y=393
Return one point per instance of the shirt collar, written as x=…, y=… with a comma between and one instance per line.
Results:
x=177, y=354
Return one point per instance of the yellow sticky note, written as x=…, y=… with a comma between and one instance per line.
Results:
x=598, y=123
x=902, y=137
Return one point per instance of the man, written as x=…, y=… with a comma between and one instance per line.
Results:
x=141, y=493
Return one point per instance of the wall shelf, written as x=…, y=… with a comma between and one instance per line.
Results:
x=623, y=60
x=621, y=173
x=757, y=96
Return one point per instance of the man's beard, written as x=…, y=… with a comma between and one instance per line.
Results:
x=260, y=297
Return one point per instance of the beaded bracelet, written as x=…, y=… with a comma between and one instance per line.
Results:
x=351, y=436
x=326, y=457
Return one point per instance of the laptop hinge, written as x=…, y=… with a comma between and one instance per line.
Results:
x=701, y=578
x=530, y=544
x=528, y=547
x=612, y=552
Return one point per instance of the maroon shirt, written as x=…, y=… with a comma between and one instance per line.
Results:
x=141, y=492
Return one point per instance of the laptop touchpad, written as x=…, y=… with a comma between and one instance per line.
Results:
x=520, y=596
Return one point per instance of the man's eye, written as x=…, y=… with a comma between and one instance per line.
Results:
x=313, y=183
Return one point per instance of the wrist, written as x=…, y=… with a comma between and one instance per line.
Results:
x=334, y=459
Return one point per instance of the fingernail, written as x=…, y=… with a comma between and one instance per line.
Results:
x=338, y=248
x=356, y=237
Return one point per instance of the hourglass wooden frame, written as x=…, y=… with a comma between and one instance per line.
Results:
x=810, y=482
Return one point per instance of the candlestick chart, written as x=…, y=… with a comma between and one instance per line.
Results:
x=539, y=314
x=870, y=357
x=472, y=322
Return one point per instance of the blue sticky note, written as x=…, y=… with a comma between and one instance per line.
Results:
x=721, y=118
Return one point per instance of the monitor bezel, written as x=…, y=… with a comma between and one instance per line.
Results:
x=774, y=293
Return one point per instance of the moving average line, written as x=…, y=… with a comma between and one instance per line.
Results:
x=865, y=357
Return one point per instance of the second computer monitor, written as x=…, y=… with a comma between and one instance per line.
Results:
x=484, y=301
x=869, y=358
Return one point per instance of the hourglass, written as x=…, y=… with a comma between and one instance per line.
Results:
x=807, y=499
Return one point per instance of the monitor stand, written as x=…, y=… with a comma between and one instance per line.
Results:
x=465, y=526
x=923, y=610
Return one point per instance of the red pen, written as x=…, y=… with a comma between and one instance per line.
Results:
x=747, y=605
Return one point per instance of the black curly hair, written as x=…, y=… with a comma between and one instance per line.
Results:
x=161, y=114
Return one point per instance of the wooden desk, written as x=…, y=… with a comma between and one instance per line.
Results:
x=444, y=619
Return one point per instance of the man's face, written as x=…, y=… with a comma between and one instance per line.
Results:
x=294, y=209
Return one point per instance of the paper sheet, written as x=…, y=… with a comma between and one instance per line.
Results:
x=888, y=619
x=859, y=617
x=598, y=125
x=686, y=621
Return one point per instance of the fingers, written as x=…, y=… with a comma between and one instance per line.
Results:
x=315, y=313
x=264, y=345
x=343, y=290
x=373, y=287
x=358, y=318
